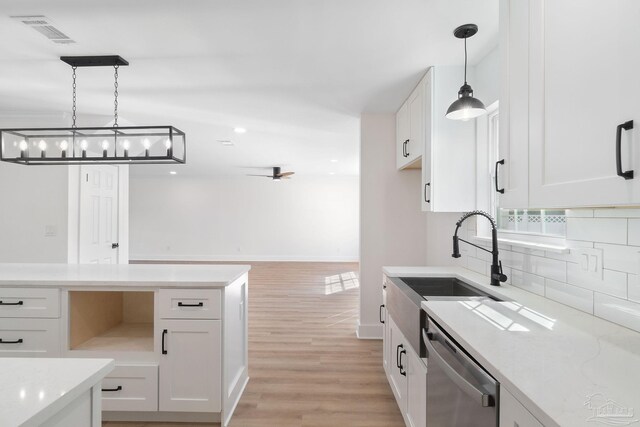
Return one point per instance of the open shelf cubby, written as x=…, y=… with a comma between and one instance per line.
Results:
x=111, y=320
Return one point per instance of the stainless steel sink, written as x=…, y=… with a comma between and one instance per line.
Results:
x=445, y=288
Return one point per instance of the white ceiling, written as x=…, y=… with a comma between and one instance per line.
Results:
x=296, y=73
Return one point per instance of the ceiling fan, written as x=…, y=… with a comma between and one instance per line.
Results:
x=277, y=175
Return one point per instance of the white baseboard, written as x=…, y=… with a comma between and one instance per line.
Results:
x=369, y=332
x=240, y=258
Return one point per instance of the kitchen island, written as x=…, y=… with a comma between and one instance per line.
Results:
x=178, y=333
x=51, y=392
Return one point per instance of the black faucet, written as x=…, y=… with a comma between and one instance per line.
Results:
x=496, y=266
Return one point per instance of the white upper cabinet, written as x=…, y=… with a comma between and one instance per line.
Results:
x=410, y=130
x=512, y=182
x=448, y=162
x=583, y=85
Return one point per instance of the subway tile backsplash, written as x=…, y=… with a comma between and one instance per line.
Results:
x=613, y=294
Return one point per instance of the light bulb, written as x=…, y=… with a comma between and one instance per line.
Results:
x=23, y=145
x=64, y=145
x=42, y=145
x=105, y=145
x=146, y=144
x=167, y=143
x=126, y=144
x=84, y=144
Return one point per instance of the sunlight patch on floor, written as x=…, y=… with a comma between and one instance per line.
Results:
x=341, y=282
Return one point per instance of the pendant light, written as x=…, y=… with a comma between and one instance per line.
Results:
x=466, y=106
x=93, y=145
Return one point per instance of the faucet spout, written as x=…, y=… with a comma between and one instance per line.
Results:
x=497, y=275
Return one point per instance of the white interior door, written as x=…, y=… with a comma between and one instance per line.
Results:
x=98, y=215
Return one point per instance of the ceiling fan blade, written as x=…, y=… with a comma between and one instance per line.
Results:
x=286, y=174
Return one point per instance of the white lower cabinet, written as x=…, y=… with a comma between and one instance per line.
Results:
x=131, y=388
x=416, y=390
x=407, y=375
x=513, y=413
x=397, y=368
x=190, y=366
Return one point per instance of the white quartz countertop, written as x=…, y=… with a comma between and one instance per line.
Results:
x=34, y=389
x=559, y=362
x=121, y=275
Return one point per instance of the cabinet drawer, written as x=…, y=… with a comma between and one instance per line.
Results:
x=190, y=303
x=29, y=302
x=30, y=337
x=131, y=388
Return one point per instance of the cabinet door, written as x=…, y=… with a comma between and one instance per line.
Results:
x=190, y=377
x=513, y=414
x=416, y=390
x=453, y=146
x=427, y=156
x=513, y=140
x=402, y=135
x=416, y=124
x=398, y=357
x=583, y=84
x=384, y=317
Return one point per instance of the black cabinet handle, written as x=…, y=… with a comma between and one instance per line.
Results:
x=398, y=356
x=380, y=313
x=428, y=184
x=115, y=245
x=113, y=389
x=624, y=126
x=404, y=148
x=499, y=190
x=12, y=303
x=18, y=341
x=407, y=145
x=402, y=371
x=164, y=333
x=181, y=304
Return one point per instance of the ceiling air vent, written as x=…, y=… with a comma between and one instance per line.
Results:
x=43, y=25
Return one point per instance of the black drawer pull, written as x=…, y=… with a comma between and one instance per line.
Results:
x=12, y=303
x=428, y=184
x=398, y=356
x=380, y=313
x=18, y=341
x=624, y=126
x=113, y=389
x=407, y=149
x=181, y=304
x=402, y=371
x=164, y=333
x=499, y=190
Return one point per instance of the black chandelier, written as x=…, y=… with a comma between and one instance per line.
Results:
x=94, y=145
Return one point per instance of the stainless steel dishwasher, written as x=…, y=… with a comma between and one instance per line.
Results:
x=460, y=392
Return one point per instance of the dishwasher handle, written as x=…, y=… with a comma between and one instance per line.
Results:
x=483, y=398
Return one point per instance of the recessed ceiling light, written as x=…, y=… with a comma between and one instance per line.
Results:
x=173, y=172
x=226, y=142
x=332, y=173
x=334, y=160
x=239, y=130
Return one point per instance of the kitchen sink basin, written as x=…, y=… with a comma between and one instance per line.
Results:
x=431, y=288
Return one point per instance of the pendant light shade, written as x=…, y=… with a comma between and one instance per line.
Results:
x=466, y=106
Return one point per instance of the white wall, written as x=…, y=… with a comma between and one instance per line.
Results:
x=244, y=218
x=33, y=203
x=392, y=226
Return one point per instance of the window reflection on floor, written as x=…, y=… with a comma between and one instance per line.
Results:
x=341, y=282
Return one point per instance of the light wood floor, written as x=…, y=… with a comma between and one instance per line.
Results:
x=306, y=365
